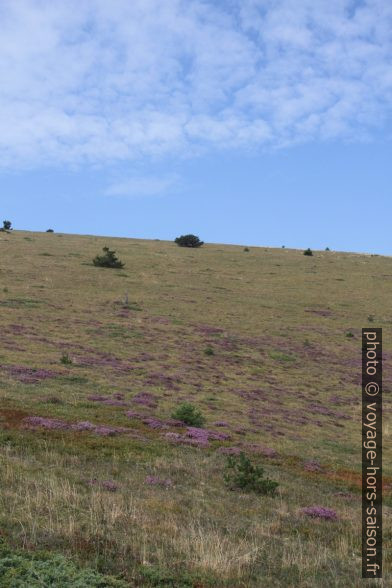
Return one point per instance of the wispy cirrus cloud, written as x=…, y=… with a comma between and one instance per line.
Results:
x=93, y=82
x=133, y=187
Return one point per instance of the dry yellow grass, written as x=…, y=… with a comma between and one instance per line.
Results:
x=277, y=323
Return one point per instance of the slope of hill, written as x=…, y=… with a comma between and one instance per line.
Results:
x=265, y=343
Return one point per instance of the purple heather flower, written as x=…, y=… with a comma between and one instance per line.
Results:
x=114, y=402
x=28, y=375
x=160, y=379
x=133, y=414
x=106, y=431
x=46, y=423
x=320, y=512
x=200, y=442
x=106, y=484
x=83, y=426
x=97, y=397
x=312, y=466
x=145, y=399
x=110, y=485
x=208, y=330
x=171, y=436
x=118, y=396
x=266, y=451
x=346, y=495
x=197, y=433
x=230, y=450
x=155, y=423
x=156, y=481
x=174, y=423
x=144, y=357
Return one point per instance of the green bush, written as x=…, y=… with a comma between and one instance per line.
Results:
x=6, y=226
x=19, y=569
x=189, y=414
x=154, y=576
x=308, y=251
x=188, y=241
x=242, y=474
x=108, y=259
x=65, y=359
x=209, y=350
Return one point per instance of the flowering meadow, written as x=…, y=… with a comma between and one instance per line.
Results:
x=97, y=470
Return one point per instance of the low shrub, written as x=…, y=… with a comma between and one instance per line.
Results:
x=152, y=576
x=19, y=569
x=308, y=251
x=108, y=259
x=189, y=414
x=242, y=474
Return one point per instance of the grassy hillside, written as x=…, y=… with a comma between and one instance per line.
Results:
x=260, y=341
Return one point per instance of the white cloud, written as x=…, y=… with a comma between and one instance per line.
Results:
x=143, y=186
x=92, y=81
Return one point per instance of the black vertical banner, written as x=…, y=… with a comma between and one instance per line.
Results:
x=371, y=453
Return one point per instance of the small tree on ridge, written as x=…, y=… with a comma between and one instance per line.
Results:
x=188, y=241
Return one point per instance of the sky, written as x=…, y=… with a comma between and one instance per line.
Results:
x=254, y=122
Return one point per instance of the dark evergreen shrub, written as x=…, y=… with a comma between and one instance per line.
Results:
x=108, y=259
x=188, y=241
x=243, y=475
x=308, y=251
x=189, y=414
x=6, y=226
x=209, y=350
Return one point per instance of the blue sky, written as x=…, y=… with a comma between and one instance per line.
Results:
x=243, y=121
